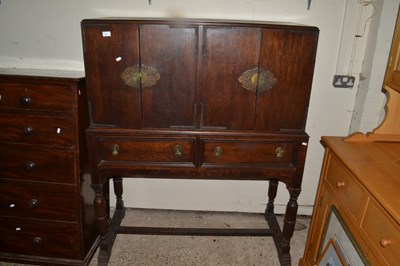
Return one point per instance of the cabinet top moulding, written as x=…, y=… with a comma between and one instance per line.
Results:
x=202, y=22
x=41, y=76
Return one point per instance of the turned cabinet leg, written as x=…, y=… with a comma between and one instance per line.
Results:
x=290, y=219
x=101, y=214
x=118, y=190
x=272, y=190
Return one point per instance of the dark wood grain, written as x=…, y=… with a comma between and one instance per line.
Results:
x=46, y=201
x=232, y=97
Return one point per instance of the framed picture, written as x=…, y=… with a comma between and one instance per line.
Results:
x=331, y=255
x=337, y=235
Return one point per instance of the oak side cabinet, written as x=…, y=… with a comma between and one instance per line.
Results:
x=46, y=203
x=197, y=99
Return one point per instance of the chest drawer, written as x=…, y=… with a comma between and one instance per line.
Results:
x=36, y=129
x=343, y=183
x=38, y=200
x=39, y=238
x=147, y=151
x=383, y=233
x=247, y=153
x=27, y=162
x=25, y=96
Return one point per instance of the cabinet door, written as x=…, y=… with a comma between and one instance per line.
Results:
x=227, y=52
x=110, y=50
x=170, y=52
x=289, y=56
x=392, y=78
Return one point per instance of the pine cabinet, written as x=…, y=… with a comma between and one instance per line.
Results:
x=359, y=186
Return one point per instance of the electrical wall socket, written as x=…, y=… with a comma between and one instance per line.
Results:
x=343, y=81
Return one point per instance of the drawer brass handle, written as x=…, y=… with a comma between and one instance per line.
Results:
x=27, y=130
x=218, y=151
x=33, y=203
x=385, y=242
x=178, y=151
x=279, y=152
x=36, y=241
x=340, y=184
x=114, y=150
x=24, y=100
x=30, y=166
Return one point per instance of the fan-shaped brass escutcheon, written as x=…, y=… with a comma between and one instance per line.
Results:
x=257, y=80
x=144, y=76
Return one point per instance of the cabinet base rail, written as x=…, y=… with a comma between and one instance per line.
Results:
x=192, y=231
x=115, y=228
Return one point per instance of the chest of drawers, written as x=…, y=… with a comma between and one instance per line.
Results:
x=46, y=203
x=197, y=99
x=360, y=180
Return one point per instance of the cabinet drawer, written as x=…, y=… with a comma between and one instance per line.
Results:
x=38, y=200
x=343, y=183
x=154, y=150
x=246, y=152
x=36, y=129
x=25, y=96
x=382, y=232
x=32, y=162
x=40, y=238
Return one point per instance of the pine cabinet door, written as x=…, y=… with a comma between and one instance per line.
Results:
x=392, y=78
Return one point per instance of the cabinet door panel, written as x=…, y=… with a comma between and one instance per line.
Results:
x=171, y=51
x=289, y=55
x=392, y=78
x=227, y=53
x=110, y=49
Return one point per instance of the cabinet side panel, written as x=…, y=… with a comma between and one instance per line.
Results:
x=109, y=50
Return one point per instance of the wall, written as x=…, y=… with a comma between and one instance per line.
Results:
x=368, y=108
x=46, y=34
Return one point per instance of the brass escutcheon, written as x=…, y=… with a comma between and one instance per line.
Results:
x=218, y=151
x=140, y=76
x=114, y=150
x=178, y=151
x=279, y=152
x=257, y=80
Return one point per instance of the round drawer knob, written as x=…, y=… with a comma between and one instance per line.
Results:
x=30, y=166
x=178, y=151
x=385, y=242
x=36, y=241
x=279, y=152
x=27, y=131
x=340, y=184
x=218, y=151
x=24, y=100
x=33, y=203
